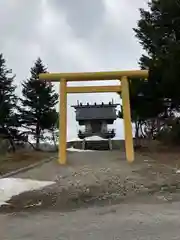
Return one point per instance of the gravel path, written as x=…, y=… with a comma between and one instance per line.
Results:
x=94, y=178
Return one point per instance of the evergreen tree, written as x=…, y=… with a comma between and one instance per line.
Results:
x=158, y=31
x=38, y=103
x=8, y=101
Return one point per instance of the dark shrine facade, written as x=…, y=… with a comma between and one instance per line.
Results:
x=96, y=119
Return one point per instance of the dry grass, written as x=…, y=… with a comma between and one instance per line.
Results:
x=164, y=154
x=19, y=159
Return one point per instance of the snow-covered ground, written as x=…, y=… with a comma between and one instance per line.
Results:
x=95, y=138
x=92, y=138
x=78, y=150
x=10, y=187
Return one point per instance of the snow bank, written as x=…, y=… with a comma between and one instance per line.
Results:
x=93, y=138
x=74, y=140
x=10, y=187
x=78, y=150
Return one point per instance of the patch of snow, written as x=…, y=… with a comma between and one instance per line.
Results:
x=92, y=138
x=95, y=138
x=78, y=150
x=10, y=187
x=178, y=171
x=75, y=140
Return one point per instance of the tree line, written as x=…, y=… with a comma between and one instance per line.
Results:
x=33, y=113
x=155, y=103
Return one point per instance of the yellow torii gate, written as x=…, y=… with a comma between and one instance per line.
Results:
x=123, y=76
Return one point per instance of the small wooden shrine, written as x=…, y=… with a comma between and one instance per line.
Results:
x=96, y=119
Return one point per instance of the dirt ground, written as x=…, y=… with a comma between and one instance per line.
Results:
x=121, y=222
x=99, y=178
x=20, y=159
